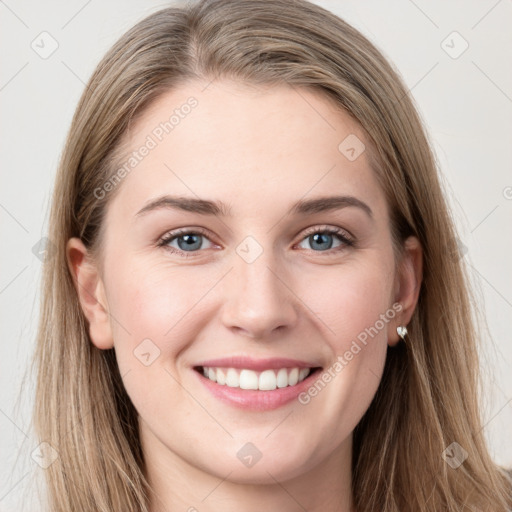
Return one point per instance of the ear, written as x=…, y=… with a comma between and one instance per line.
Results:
x=91, y=293
x=407, y=286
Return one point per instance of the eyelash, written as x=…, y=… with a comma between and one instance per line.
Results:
x=171, y=235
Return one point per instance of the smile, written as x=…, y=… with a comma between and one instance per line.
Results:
x=256, y=384
x=267, y=380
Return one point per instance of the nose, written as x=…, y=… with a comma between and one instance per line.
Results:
x=260, y=299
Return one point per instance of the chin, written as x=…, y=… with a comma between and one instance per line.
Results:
x=266, y=470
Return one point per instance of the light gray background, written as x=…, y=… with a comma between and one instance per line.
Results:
x=466, y=103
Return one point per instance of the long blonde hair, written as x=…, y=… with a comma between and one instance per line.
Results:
x=429, y=394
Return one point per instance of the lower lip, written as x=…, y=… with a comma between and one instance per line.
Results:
x=254, y=399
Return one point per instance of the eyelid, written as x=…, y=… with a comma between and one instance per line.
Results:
x=321, y=228
x=173, y=233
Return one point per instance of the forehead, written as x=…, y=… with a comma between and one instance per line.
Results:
x=245, y=143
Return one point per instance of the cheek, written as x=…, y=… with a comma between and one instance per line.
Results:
x=158, y=310
x=355, y=311
x=153, y=304
x=348, y=300
x=155, y=315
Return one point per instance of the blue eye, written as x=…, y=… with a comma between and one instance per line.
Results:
x=322, y=241
x=188, y=241
x=191, y=241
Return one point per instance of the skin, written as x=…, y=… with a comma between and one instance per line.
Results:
x=259, y=150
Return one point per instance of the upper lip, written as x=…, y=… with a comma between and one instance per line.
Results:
x=249, y=363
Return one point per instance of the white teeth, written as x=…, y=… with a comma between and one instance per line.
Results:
x=267, y=380
x=293, y=378
x=303, y=373
x=221, y=376
x=232, y=378
x=248, y=379
x=282, y=378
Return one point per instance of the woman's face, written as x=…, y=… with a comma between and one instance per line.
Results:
x=283, y=267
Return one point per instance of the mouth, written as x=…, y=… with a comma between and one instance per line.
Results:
x=256, y=384
x=247, y=379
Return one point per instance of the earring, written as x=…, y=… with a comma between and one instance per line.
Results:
x=401, y=330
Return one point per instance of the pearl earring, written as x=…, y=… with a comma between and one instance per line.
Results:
x=401, y=330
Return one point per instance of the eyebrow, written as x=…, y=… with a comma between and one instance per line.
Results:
x=206, y=207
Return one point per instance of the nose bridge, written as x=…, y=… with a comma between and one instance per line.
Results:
x=258, y=300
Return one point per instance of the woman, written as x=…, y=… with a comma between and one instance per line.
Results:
x=256, y=301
